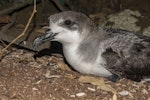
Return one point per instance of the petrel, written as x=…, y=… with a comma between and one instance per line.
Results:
x=90, y=49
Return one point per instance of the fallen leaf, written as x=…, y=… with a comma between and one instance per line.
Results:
x=97, y=81
x=48, y=75
x=60, y=63
x=100, y=83
x=148, y=98
x=70, y=76
x=63, y=66
x=114, y=97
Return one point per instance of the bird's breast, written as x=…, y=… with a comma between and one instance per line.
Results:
x=75, y=60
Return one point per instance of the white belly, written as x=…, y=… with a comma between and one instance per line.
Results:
x=75, y=60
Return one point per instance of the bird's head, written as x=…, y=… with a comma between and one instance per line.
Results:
x=66, y=27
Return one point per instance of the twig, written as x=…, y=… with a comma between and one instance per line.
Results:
x=23, y=33
x=4, y=44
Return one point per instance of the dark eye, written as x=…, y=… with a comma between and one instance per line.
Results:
x=68, y=22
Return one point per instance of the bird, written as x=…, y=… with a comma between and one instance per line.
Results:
x=94, y=50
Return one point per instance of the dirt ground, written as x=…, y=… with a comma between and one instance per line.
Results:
x=24, y=78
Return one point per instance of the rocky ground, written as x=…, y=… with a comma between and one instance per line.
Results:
x=48, y=78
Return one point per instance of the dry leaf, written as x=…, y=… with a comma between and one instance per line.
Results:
x=63, y=66
x=70, y=76
x=48, y=75
x=100, y=83
x=60, y=63
x=114, y=96
x=148, y=98
x=97, y=81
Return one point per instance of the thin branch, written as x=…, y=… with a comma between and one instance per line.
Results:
x=23, y=33
x=4, y=44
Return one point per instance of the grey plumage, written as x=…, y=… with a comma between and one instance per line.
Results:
x=128, y=55
x=121, y=53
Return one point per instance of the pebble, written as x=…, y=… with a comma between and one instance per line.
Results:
x=34, y=89
x=80, y=94
x=73, y=96
x=124, y=93
x=91, y=89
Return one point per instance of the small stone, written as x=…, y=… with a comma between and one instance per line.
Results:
x=80, y=94
x=34, y=89
x=124, y=93
x=73, y=96
x=91, y=89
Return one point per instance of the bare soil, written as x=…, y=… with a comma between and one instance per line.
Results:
x=24, y=78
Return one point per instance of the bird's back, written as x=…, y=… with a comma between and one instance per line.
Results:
x=127, y=54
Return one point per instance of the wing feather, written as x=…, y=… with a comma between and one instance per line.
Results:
x=128, y=54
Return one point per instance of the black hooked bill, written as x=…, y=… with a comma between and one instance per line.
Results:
x=49, y=35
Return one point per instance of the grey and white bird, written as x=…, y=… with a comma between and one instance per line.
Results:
x=89, y=49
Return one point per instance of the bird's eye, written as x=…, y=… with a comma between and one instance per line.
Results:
x=68, y=22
